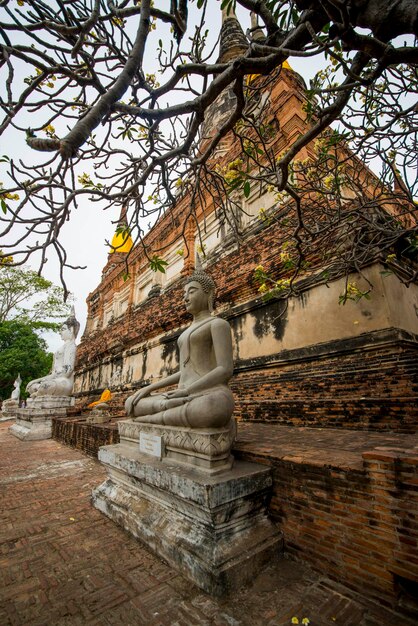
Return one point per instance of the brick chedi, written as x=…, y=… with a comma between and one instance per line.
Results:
x=303, y=362
x=308, y=362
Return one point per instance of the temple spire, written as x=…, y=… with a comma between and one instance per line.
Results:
x=256, y=31
x=123, y=219
x=256, y=34
x=232, y=43
x=122, y=240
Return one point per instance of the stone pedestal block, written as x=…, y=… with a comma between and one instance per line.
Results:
x=8, y=410
x=35, y=422
x=99, y=416
x=213, y=528
x=205, y=449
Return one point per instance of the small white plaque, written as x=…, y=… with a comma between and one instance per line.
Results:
x=151, y=444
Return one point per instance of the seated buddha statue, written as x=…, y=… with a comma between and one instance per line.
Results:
x=105, y=397
x=16, y=391
x=13, y=402
x=202, y=398
x=61, y=379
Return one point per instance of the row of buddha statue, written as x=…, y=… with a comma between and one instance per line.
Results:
x=201, y=398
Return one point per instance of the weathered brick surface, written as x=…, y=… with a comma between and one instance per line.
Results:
x=346, y=502
x=373, y=389
x=62, y=563
x=75, y=432
x=367, y=387
x=233, y=275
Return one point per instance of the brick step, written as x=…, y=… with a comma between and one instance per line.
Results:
x=332, y=371
x=377, y=413
x=334, y=401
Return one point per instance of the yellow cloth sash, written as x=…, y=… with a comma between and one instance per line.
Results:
x=105, y=397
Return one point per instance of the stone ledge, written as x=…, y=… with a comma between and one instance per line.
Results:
x=320, y=447
x=50, y=402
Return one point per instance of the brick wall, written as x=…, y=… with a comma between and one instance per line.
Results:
x=372, y=388
x=359, y=527
x=367, y=382
x=233, y=275
x=76, y=433
x=357, y=524
x=362, y=390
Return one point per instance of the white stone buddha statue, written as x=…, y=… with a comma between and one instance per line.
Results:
x=16, y=391
x=202, y=398
x=61, y=379
x=9, y=406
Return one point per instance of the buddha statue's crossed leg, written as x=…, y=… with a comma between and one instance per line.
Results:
x=212, y=409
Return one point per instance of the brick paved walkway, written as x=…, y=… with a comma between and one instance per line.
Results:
x=63, y=563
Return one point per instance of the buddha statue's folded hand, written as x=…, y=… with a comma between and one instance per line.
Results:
x=32, y=382
x=176, y=393
x=136, y=397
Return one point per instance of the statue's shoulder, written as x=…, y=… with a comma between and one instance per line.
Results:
x=219, y=322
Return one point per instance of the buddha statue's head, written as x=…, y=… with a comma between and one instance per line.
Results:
x=206, y=283
x=71, y=325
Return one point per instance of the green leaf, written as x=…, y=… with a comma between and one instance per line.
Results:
x=235, y=184
x=157, y=264
x=124, y=230
x=4, y=206
x=247, y=189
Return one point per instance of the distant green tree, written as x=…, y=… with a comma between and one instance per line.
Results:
x=29, y=298
x=21, y=351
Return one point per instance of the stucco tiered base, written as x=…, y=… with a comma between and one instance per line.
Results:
x=35, y=422
x=213, y=529
x=9, y=409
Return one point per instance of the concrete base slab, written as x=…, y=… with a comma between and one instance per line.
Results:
x=8, y=410
x=98, y=417
x=213, y=529
x=31, y=431
x=50, y=402
x=35, y=424
x=6, y=418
